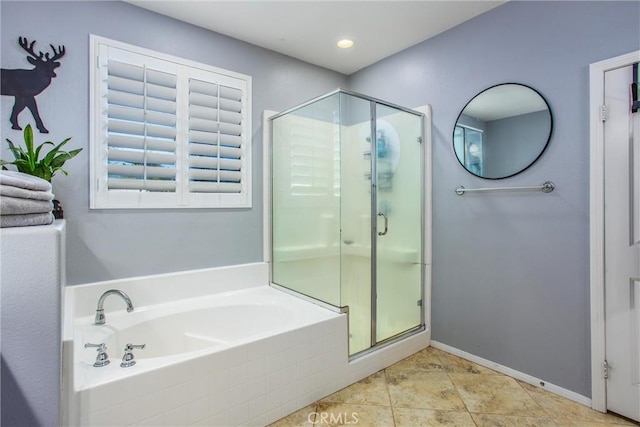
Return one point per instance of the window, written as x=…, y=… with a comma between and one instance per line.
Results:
x=167, y=132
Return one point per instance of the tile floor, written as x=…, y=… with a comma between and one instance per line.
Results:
x=434, y=388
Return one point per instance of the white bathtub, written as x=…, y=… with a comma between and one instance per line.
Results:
x=175, y=332
x=221, y=349
x=193, y=326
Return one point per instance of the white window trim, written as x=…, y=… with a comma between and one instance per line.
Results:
x=100, y=196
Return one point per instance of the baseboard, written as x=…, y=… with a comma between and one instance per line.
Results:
x=560, y=391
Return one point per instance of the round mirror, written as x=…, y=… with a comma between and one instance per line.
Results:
x=502, y=131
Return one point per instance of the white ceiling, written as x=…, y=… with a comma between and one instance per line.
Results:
x=309, y=29
x=503, y=101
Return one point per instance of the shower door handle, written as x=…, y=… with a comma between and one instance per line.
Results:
x=386, y=224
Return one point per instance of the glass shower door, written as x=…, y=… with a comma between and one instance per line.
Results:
x=347, y=197
x=355, y=222
x=398, y=205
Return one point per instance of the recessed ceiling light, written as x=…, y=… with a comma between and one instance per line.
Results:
x=345, y=43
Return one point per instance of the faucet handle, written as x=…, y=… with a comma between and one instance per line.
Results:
x=102, y=359
x=128, y=358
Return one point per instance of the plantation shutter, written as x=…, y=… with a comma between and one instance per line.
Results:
x=167, y=132
x=141, y=128
x=215, y=138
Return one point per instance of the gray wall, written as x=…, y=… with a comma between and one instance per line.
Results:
x=114, y=244
x=30, y=317
x=511, y=271
x=512, y=143
x=471, y=122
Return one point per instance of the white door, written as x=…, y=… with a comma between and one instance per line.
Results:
x=622, y=245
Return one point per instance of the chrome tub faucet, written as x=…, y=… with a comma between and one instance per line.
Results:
x=100, y=319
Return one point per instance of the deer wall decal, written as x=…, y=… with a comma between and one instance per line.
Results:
x=24, y=85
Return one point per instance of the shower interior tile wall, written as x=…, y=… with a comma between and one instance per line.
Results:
x=255, y=383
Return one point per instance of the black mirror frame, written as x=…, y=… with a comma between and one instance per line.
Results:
x=534, y=160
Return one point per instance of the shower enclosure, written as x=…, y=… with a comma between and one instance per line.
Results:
x=347, y=211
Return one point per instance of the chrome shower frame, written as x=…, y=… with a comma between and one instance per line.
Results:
x=374, y=102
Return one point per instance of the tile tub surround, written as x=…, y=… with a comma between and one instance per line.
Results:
x=252, y=383
x=435, y=388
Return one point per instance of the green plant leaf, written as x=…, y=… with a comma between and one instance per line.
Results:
x=23, y=166
x=64, y=142
x=59, y=160
x=17, y=152
x=39, y=171
x=28, y=138
x=37, y=154
x=28, y=142
x=49, y=157
x=46, y=174
x=29, y=161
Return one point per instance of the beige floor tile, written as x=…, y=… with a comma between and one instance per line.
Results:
x=491, y=420
x=438, y=353
x=435, y=388
x=338, y=414
x=457, y=365
x=495, y=394
x=303, y=418
x=566, y=423
x=424, y=360
x=566, y=411
x=423, y=390
x=369, y=391
x=407, y=417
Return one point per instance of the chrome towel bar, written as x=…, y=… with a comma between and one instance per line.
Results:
x=546, y=187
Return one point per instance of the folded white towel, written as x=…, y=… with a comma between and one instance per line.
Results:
x=25, y=220
x=15, y=206
x=23, y=180
x=21, y=193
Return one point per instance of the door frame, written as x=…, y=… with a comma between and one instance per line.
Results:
x=597, y=72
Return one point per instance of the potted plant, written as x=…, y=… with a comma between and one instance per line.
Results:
x=29, y=161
